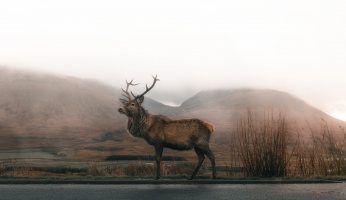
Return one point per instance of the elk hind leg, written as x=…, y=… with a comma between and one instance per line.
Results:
x=201, y=157
x=211, y=157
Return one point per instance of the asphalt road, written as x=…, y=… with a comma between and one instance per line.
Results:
x=333, y=191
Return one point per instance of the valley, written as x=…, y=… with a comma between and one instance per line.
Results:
x=48, y=118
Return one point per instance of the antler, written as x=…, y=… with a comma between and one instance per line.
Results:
x=147, y=89
x=128, y=96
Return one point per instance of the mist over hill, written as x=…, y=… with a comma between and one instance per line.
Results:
x=80, y=116
x=227, y=105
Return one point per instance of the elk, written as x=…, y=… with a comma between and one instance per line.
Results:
x=163, y=132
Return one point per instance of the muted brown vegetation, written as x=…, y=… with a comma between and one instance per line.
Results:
x=77, y=120
x=76, y=115
x=262, y=146
x=324, y=154
x=269, y=146
x=98, y=169
x=265, y=146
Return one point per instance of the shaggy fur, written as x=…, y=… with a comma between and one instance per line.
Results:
x=160, y=131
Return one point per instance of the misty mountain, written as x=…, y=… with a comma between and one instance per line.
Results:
x=230, y=104
x=81, y=115
x=41, y=105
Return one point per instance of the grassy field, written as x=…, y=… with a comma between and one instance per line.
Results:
x=261, y=146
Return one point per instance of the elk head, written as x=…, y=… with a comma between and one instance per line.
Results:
x=131, y=105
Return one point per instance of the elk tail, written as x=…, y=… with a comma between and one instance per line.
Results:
x=209, y=126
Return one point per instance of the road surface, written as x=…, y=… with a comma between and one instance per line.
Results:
x=333, y=191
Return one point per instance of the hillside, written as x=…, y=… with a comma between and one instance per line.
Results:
x=44, y=110
x=76, y=119
x=48, y=106
x=224, y=107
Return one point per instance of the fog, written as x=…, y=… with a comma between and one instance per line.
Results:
x=294, y=46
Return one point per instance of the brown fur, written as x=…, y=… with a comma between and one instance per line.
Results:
x=163, y=132
x=210, y=127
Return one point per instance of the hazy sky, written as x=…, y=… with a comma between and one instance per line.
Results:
x=297, y=46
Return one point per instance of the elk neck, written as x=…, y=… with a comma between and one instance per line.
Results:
x=139, y=123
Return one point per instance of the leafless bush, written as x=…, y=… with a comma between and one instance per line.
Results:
x=305, y=159
x=262, y=145
x=324, y=154
x=234, y=166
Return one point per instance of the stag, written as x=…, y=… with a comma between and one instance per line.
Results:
x=163, y=132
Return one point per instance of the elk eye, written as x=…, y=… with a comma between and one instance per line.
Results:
x=132, y=104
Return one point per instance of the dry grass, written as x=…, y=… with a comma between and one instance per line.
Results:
x=96, y=169
x=102, y=169
x=2, y=169
x=141, y=169
x=42, y=110
x=265, y=146
x=13, y=168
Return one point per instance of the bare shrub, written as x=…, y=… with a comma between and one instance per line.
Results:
x=234, y=167
x=305, y=156
x=262, y=145
x=332, y=152
x=324, y=155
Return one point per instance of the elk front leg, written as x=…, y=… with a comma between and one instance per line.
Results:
x=158, y=156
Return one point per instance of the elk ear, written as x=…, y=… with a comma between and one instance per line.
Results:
x=123, y=101
x=140, y=99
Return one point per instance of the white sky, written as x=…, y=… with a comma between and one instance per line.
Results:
x=297, y=46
